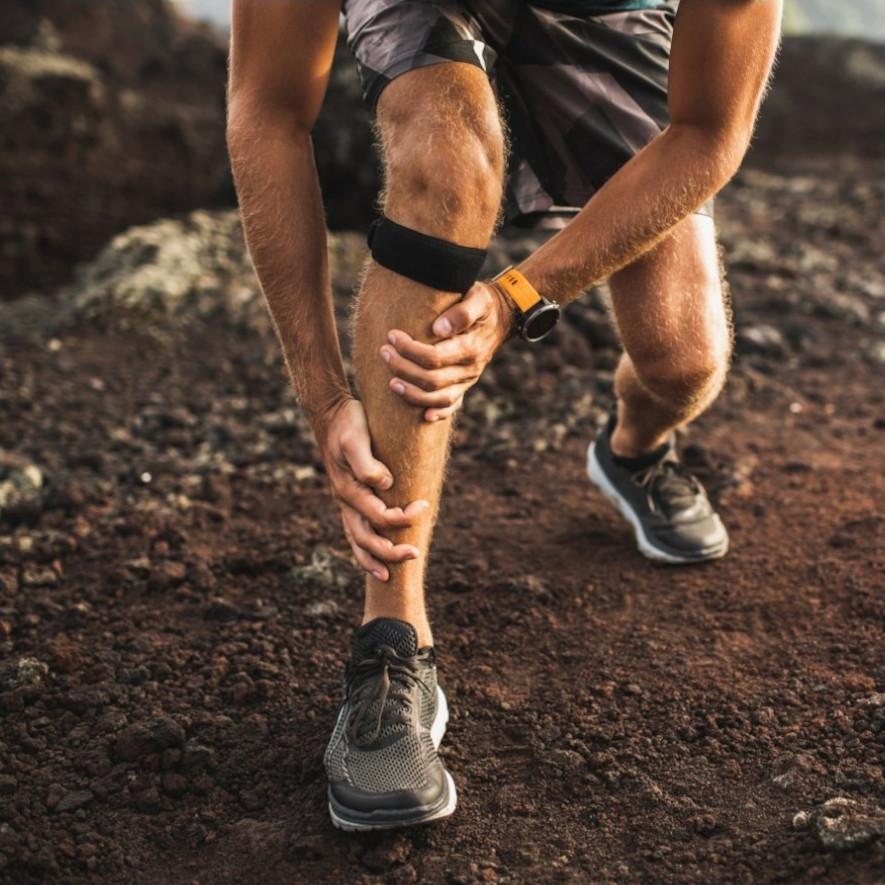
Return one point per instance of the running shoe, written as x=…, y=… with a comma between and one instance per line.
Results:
x=384, y=770
x=668, y=508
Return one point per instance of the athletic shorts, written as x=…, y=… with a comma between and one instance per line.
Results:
x=581, y=94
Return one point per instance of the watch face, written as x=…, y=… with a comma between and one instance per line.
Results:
x=540, y=321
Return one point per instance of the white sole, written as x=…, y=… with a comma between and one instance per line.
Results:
x=646, y=548
x=437, y=732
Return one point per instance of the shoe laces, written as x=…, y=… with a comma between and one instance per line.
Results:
x=667, y=482
x=385, y=676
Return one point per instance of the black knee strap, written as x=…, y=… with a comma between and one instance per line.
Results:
x=437, y=263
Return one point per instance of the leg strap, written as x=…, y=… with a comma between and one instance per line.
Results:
x=437, y=263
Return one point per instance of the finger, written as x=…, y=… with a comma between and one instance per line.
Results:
x=427, y=379
x=364, y=536
x=415, y=396
x=364, y=559
x=448, y=352
x=461, y=316
x=440, y=414
x=361, y=499
x=357, y=450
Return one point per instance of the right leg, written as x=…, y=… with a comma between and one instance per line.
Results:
x=443, y=155
x=443, y=148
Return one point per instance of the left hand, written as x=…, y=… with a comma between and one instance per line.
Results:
x=436, y=376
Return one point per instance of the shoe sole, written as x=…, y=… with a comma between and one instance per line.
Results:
x=646, y=547
x=437, y=732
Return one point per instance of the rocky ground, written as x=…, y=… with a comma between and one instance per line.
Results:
x=175, y=593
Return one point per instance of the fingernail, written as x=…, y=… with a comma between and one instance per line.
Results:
x=385, y=355
x=377, y=575
x=391, y=338
x=399, y=388
x=444, y=327
x=423, y=505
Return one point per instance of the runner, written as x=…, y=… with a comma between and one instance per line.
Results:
x=625, y=118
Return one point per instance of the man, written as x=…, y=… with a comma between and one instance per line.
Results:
x=597, y=133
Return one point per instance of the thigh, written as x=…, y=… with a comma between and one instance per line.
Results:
x=392, y=37
x=672, y=299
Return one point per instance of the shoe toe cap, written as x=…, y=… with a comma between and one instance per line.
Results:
x=699, y=538
x=357, y=799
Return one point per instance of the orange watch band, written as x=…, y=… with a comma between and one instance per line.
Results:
x=523, y=293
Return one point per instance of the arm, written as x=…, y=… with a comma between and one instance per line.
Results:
x=721, y=57
x=722, y=53
x=281, y=56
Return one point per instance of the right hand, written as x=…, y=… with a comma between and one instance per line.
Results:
x=355, y=474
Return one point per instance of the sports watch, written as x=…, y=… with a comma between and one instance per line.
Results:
x=534, y=315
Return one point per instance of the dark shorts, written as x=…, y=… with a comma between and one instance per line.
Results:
x=581, y=95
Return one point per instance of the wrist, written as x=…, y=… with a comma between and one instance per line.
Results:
x=533, y=315
x=322, y=413
x=506, y=312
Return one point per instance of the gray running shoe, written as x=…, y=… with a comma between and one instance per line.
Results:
x=668, y=508
x=383, y=768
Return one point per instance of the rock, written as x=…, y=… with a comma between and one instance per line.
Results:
x=21, y=482
x=253, y=800
x=843, y=824
x=149, y=802
x=21, y=673
x=174, y=784
x=74, y=800
x=705, y=824
x=64, y=656
x=154, y=736
x=260, y=610
x=321, y=608
x=39, y=577
x=326, y=569
x=838, y=305
x=56, y=793
x=405, y=874
x=529, y=587
x=386, y=855
x=196, y=757
x=220, y=609
x=566, y=760
x=113, y=115
x=200, y=577
x=802, y=820
x=761, y=339
x=166, y=575
x=793, y=767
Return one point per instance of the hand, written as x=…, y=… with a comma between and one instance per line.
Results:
x=436, y=376
x=354, y=473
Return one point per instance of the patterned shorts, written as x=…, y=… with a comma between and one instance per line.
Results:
x=581, y=95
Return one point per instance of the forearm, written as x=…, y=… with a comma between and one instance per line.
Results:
x=721, y=58
x=285, y=232
x=666, y=181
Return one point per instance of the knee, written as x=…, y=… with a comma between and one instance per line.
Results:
x=444, y=164
x=685, y=377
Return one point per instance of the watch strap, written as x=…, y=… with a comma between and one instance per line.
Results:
x=518, y=288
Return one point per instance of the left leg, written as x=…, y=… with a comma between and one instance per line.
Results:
x=673, y=317
x=674, y=321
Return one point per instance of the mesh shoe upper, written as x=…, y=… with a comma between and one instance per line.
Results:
x=382, y=747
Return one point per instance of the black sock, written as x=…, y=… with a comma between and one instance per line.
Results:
x=640, y=462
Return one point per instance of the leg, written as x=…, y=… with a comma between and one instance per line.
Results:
x=444, y=157
x=674, y=322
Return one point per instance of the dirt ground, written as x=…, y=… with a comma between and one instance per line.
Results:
x=176, y=599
